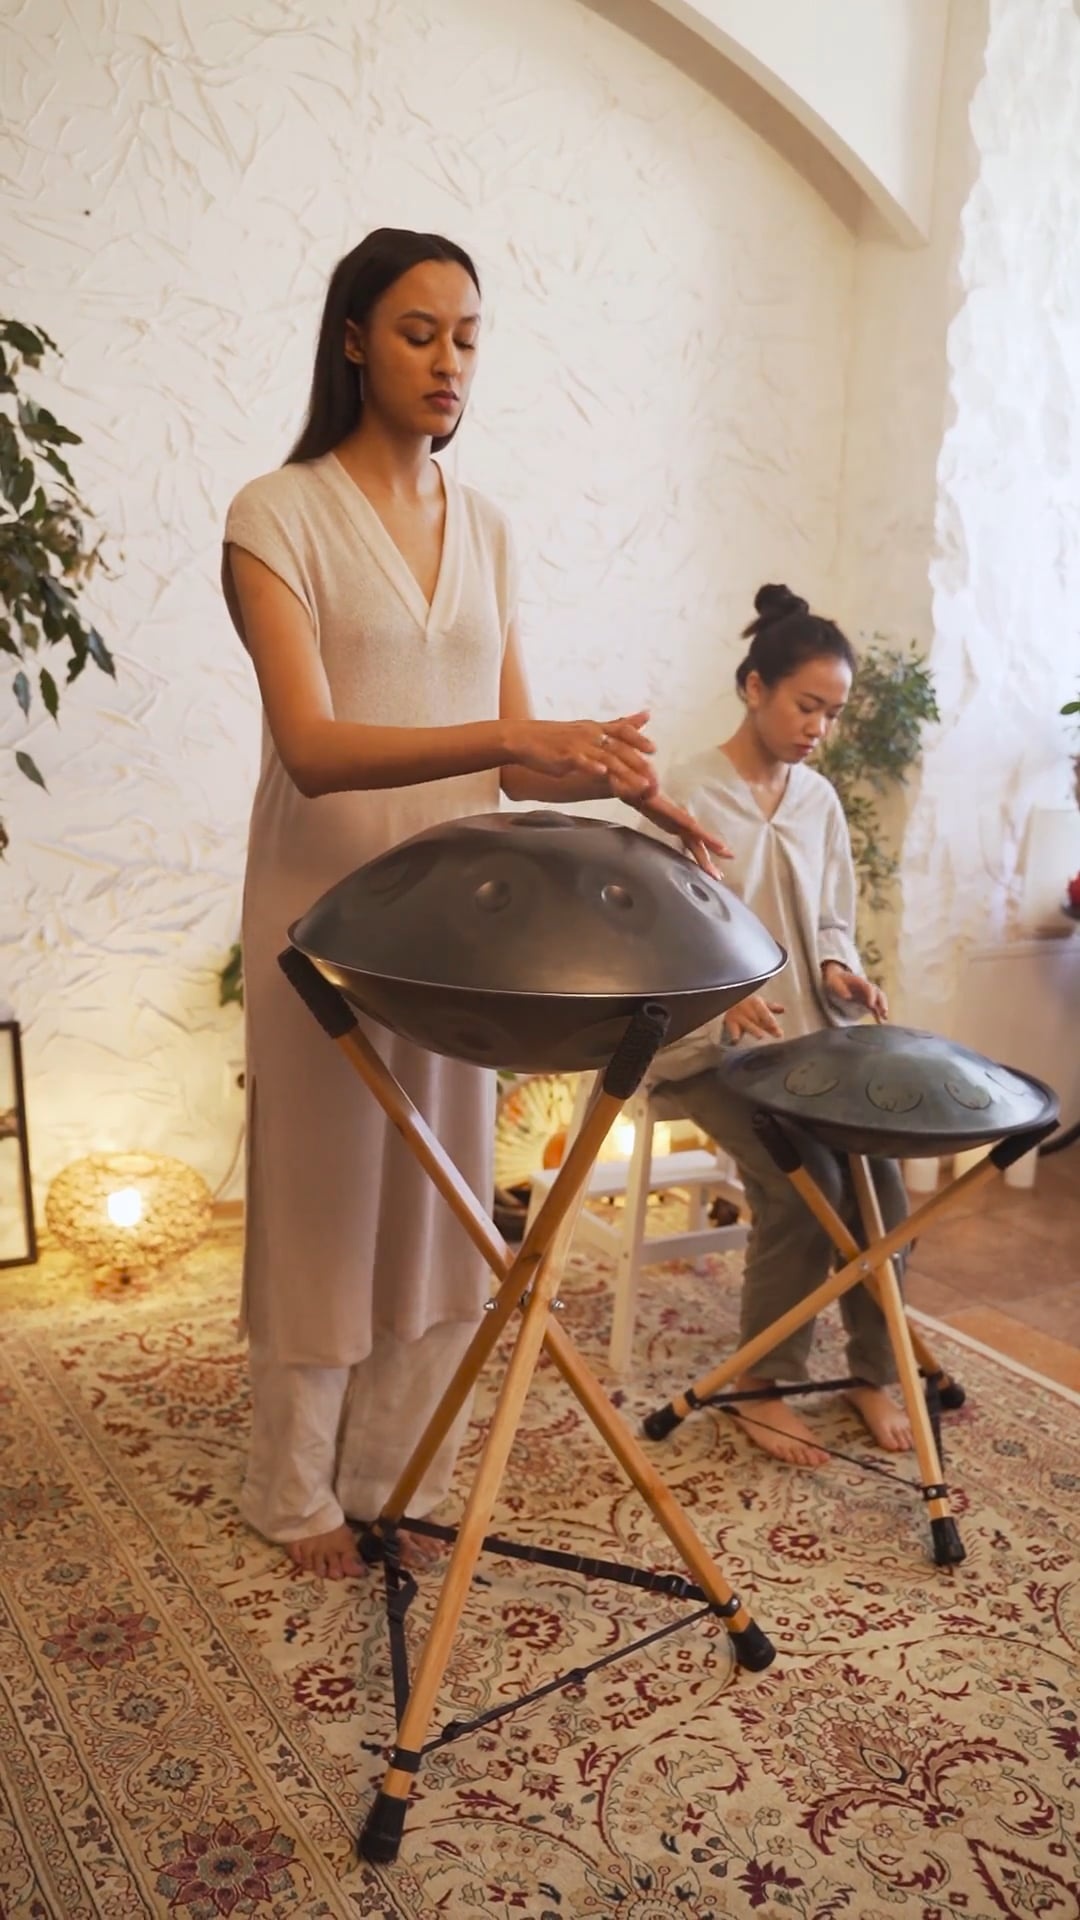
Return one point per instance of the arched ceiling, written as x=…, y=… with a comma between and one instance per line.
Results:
x=849, y=100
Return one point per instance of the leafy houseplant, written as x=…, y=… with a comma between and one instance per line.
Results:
x=231, y=978
x=874, y=746
x=45, y=557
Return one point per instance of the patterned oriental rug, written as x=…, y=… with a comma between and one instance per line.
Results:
x=190, y=1727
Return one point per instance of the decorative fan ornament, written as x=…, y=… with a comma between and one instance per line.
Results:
x=531, y=1124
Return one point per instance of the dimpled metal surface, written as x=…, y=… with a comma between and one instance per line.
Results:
x=528, y=940
x=893, y=1091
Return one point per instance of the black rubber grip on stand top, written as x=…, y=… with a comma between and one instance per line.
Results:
x=1008, y=1152
x=331, y=1009
x=777, y=1142
x=635, y=1052
x=753, y=1649
x=662, y=1421
x=381, y=1834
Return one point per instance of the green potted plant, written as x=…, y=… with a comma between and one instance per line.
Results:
x=230, y=978
x=46, y=555
x=870, y=754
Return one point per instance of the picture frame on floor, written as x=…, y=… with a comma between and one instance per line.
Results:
x=18, y=1229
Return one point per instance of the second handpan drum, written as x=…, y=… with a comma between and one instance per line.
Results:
x=529, y=940
x=891, y=1091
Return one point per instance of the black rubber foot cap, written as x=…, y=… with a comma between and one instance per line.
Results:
x=753, y=1648
x=660, y=1423
x=949, y=1549
x=952, y=1396
x=381, y=1836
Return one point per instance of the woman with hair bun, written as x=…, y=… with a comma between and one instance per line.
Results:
x=793, y=867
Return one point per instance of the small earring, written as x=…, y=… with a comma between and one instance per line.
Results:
x=360, y=380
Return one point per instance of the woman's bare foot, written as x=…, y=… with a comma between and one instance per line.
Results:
x=886, y=1423
x=776, y=1427
x=333, y=1556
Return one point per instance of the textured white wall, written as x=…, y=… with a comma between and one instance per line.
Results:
x=1006, y=573
x=897, y=392
x=904, y=302
x=659, y=407
x=862, y=74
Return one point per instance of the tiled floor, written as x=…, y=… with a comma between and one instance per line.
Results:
x=1005, y=1268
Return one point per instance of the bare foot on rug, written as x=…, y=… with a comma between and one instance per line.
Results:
x=333, y=1555
x=886, y=1423
x=775, y=1427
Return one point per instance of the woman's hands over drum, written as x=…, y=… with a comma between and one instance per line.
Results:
x=754, y=1019
x=613, y=750
x=618, y=753
x=844, y=985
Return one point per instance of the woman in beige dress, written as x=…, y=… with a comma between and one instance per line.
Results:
x=377, y=599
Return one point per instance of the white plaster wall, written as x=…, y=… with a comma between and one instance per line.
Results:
x=897, y=397
x=862, y=74
x=659, y=407
x=1005, y=575
x=904, y=303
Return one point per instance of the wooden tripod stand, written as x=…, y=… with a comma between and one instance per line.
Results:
x=874, y=1267
x=528, y=1280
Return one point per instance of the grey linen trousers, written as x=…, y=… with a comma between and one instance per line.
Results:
x=788, y=1253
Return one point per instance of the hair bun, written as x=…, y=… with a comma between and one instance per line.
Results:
x=778, y=603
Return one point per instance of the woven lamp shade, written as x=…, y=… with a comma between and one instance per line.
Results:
x=128, y=1214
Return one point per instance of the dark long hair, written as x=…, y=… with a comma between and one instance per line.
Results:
x=357, y=282
x=785, y=636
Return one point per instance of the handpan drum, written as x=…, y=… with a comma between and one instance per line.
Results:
x=528, y=940
x=890, y=1091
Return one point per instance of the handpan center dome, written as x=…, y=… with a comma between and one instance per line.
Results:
x=529, y=940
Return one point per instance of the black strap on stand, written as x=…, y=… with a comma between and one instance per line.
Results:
x=729, y=1403
x=401, y=1591
x=455, y=1728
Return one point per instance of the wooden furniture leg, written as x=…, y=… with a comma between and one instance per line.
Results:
x=948, y=1547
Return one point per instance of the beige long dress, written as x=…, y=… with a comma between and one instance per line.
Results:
x=346, y=1236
